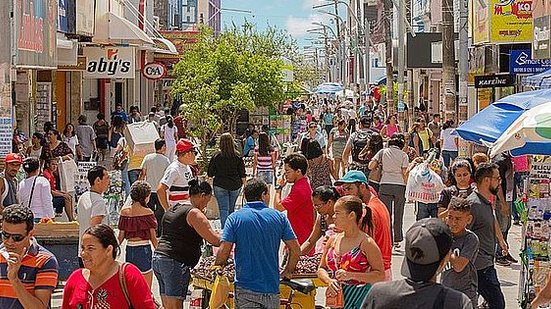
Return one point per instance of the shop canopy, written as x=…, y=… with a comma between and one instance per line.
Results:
x=489, y=124
x=328, y=88
x=538, y=81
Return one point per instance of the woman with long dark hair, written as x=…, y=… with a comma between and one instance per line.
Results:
x=184, y=227
x=169, y=131
x=70, y=137
x=459, y=179
x=351, y=260
x=228, y=170
x=265, y=158
x=56, y=148
x=138, y=225
x=116, y=131
x=320, y=167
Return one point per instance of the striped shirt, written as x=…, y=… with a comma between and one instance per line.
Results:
x=176, y=178
x=264, y=163
x=38, y=271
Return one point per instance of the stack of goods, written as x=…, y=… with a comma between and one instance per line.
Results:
x=307, y=266
x=204, y=269
x=536, y=241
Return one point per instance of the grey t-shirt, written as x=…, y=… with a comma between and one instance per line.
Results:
x=404, y=293
x=465, y=281
x=90, y=204
x=86, y=138
x=155, y=165
x=483, y=226
x=393, y=160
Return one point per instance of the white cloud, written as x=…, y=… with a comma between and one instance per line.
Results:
x=297, y=26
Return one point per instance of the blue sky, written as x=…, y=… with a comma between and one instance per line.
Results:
x=295, y=16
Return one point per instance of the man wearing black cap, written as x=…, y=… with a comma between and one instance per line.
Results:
x=427, y=251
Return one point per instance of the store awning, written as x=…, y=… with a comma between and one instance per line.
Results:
x=67, y=51
x=112, y=29
x=162, y=46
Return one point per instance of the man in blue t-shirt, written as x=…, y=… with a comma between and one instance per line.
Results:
x=257, y=232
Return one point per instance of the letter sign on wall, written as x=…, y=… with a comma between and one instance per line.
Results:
x=154, y=70
x=109, y=62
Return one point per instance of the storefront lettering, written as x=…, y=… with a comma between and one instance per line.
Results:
x=31, y=29
x=110, y=64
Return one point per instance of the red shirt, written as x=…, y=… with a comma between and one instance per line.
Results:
x=381, y=229
x=300, y=209
x=109, y=294
x=179, y=123
x=51, y=178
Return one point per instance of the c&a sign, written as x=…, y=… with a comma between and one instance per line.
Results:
x=110, y=62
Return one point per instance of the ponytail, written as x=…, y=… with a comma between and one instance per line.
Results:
x=367, y=221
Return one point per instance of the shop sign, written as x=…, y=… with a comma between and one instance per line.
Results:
x=521, y=62
x=481, y=21
x=85, y=17
x=110, y=62
x=494, y=81
x=154, y=70
x=540, y=170
x=511, y=21
x=542, y=38
x=66, y=16
x=35, y=31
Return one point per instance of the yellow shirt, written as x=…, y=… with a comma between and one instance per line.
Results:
x=424, y=135
x=134, y=161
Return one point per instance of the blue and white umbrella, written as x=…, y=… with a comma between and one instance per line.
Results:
x=487, y=126
x=328, y=88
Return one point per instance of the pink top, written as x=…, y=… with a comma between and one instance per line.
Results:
x=520, y=164
x=392, y=129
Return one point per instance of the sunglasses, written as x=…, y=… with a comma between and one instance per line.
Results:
x=14, y=237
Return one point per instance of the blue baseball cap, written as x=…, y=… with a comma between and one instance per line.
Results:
x=352, y=176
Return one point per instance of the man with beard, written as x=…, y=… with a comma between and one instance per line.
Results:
x=486, y=227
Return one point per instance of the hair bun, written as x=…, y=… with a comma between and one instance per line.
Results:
x=193, y=183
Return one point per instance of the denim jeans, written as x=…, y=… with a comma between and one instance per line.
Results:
x=125, y=180
x=489, y=288
x=226, y=202
x=504, y=224
x=133, y=175
x=245, y=299
x=425, y=210
x=448, y=156
x=173, y=276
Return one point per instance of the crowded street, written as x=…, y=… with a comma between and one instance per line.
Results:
x=313, y=154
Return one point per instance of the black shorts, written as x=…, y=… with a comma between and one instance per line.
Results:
x=59, y=204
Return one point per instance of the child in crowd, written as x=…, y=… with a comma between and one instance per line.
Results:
x=460, y=274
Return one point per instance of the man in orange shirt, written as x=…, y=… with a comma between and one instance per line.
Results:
x=355, y=183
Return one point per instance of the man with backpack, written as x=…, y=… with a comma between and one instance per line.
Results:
x=357, y=141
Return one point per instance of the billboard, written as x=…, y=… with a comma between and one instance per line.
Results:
x=541, y=48
x=110, y=62
x=511, y=21
x=35, y=33
x=85, y=17
x=66, y=16
x=521, y=62
x=481, y=22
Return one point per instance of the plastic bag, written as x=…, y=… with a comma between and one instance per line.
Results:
x=424, y=185
x=220, y=292
x=67, y=171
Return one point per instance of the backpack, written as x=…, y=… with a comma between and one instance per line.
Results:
x=360, y=140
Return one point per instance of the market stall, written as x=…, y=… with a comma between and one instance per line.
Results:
x=61, y=239
x=203, y=279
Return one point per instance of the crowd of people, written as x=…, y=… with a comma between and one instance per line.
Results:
x=341, y=195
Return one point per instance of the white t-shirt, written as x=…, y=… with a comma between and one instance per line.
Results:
x=448, y=140
x=41, y=204
x=176, y=178
x=90, y=204
x=168, y=133
x=393, y=160
x=72, y=142
x=155, y=165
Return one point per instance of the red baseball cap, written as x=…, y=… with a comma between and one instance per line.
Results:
x=13, y=158
x=184, y=145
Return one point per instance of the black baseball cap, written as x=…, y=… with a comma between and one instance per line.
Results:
x=428, y=241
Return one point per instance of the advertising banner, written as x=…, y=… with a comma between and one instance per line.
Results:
x=66, y=16
x=521, y=62
x=35, y=31
x=85, y=17
x=110, y=62
x=511, y=21
x=494, y=81
x=481, y=21
x=542, y=38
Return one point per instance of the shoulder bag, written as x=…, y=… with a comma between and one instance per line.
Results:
x=122, y=281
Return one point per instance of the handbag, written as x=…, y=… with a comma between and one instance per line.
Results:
x=120, y=158
x=220, y=292
x=67, y=171
x=122, y=282
x=334, y=301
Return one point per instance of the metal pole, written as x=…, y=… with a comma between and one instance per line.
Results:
x=401, y=57
x=388, y=57
x=448, y=60
x=367, y=65
x=463, y=59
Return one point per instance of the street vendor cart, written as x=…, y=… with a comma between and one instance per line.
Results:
x=299, y=292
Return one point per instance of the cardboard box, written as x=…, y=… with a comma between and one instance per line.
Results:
x=141, y=137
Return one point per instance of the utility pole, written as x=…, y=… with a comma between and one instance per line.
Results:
x=342, y=45
x=401, y=58
x=463, y=59
x=367, y=66
x=448, y=61
x=391, y=109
